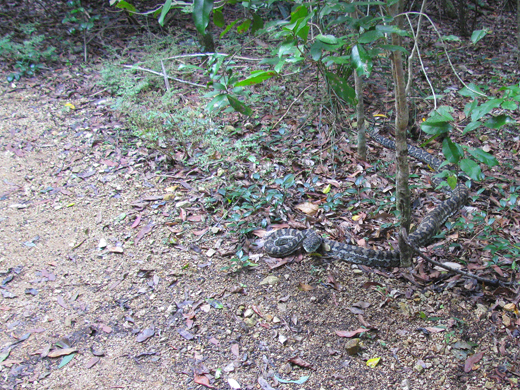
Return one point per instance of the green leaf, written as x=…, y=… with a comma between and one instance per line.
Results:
x=391, y=29
x=214, y=303
x=239, y=106
x=394, y=48
x=372, y=3
x=370, y=36
x=300, y=381
x=484, y=157
x=66, y=359
x=299, y=23
x=286, y=48
x=316, y=50
x=229, y=27
x=469, y=107
x=509, y=105
x=218, y=102
x=498, y=121
x=439, y=121
x=165, y=8
x=361, y=60
x=243, y=27
x=341, y=87
x=471, y=126
x=257, y=76
x=4, y=355
x=477, y=35
x=471, y=91
x=339, y=60
x=452, y=151
x=303, y=30
x=219, y=86
x=218, y=18
x=329, y=39
x=299, y=13
x=279, y=65
x=258, y=23
x=124, y=5
x=450, y=38
x=452, y=181
x=288, y=181
x=471, y=168
x=485, y=108
x=435, y=128
x=511, y=89
x=441, y=114
x=201, y=11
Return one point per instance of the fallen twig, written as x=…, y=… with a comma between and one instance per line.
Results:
x=162, y=74
x=492, y=282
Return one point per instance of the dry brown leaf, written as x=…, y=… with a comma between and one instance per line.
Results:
x=361, y=304
x=145, y=230
x=202, y=380
x=62, y=303
x=61, y=352
x=433, y=329
x=350, y=333
x=200, y=232
x=10, y=362
x=92, y=362
x=145, y=334
x=137, y=221
x=299, y=362
x=307, y=208
x=472, y=360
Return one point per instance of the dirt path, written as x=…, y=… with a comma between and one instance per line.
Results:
x=84, y=264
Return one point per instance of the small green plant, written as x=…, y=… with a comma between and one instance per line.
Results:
x=80, y=21
x=448, y=336
x=240, y=262
x=78, y=18
x=487, y=228
x=28, y=56
x=246, y=202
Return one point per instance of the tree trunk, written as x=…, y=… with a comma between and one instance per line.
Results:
x=518, y=31
x=463, y=28
x=401, y=123
x=360, y=115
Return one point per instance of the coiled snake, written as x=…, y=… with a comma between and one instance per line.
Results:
x=283, y=242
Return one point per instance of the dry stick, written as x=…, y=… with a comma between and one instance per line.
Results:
x=445, y=51
x=288, y=108
x=162, y=74
x=493, y=282
x=209, y=54
x=166, y=82
x=419, y=57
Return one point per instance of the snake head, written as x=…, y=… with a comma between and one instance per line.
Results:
x=312, y=241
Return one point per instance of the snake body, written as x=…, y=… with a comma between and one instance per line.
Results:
x=283, y=242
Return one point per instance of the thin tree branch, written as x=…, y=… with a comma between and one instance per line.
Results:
x=492, y=282
x=445, y=51
x=165, y=75
x=209, y=54
x=288, y=108
x=161, y=74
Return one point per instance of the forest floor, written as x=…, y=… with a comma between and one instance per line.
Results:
x=115, y=272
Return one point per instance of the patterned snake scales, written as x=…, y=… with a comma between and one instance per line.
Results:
x=283, y=242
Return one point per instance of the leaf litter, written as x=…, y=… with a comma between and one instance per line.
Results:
x=113, y=293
